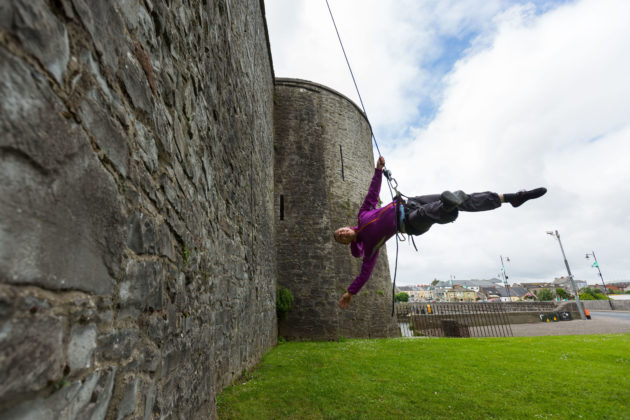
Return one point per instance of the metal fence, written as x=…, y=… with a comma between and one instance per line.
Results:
x=457, y=319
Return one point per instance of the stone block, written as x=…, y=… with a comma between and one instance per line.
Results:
x=165, y=242
x=60, y=221
x=149, y=402
x=85, y=399
x=128, y=403
x=106, y=28
x=156, y=329
x=81, y=346
x=163, y=124
x=141, y=234
x=148, y=152
x=39, y=31
x=150, y=359
x=138, y=20
x=142, y=286
x=106, y=131
x=136, y=83
x=117, y=345
x=31, y=353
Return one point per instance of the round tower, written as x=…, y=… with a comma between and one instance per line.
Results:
x=323, y=165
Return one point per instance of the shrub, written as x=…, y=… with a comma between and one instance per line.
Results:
x=401, y=297
x=545, y=294
x=592, y=294
x=284, y=302
x=562, y=294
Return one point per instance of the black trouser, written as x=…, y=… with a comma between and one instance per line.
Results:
x=423, y=211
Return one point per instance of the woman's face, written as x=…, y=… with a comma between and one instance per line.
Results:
x=344, y=235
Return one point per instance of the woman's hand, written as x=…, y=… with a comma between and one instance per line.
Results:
x=380, y=163
x=344, y=302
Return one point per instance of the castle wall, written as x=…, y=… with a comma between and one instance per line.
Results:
x=323, y=167
x=137, y=262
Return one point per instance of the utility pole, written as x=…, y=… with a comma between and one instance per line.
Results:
x=566, y=263
x=505, y=276
x=596, y=264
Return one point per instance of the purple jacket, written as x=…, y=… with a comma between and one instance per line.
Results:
x=376, y=226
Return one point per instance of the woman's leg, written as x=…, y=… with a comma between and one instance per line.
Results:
x=481, y=201
x=423, y=211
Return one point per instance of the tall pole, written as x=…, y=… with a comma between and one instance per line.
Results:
x=566, y=263
x=601, y=277
x=505, y=278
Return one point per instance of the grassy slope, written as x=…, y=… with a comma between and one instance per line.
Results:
x=520, y=377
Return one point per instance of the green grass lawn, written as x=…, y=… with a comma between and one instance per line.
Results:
x=560, y=377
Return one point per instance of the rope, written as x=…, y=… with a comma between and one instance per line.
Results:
x=388, y=174
x=352, y=75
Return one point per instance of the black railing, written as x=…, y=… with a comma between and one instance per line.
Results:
x=457, y=319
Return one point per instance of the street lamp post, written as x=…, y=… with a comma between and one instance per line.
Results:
x=566, y=263
x=505, y=276
x=596, y=264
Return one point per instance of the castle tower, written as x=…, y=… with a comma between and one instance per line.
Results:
x=323, y=166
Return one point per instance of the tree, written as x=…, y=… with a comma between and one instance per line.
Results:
x=401, y=297
x=592, y=294
x=434, y=282
x=545, y=294
x=562, y=294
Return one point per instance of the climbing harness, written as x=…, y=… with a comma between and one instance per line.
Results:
x=391, y=182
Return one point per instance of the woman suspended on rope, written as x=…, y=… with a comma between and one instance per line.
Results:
x=415, y=216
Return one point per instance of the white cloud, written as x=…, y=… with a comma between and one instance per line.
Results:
x=388, y=45
x=537, y=99
x=545, y=103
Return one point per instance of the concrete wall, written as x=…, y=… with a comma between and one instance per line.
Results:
x=604, y=305
x=318, y=132
x=137, y=266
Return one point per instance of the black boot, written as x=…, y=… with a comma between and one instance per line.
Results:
x=522, y=196
x=451, y=200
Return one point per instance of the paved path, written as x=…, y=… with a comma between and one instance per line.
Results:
x=601, y=322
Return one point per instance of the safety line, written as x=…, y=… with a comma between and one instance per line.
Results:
x=389, y=178
x=352, y=75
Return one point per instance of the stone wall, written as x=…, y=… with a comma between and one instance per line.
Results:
x=323, y=167
x=137, y=266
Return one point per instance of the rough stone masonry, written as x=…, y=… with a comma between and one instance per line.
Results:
x=137, y=217
x=136, y=185
x=323, y=136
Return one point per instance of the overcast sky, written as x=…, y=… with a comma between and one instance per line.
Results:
x=487, y=95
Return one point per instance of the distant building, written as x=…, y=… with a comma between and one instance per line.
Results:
x=412, y=291
x=474, y=290
x=565, y=283
x=624, y=286
x=535, y=288
x=460, y=294
x=417, y=293
x=519, y=293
